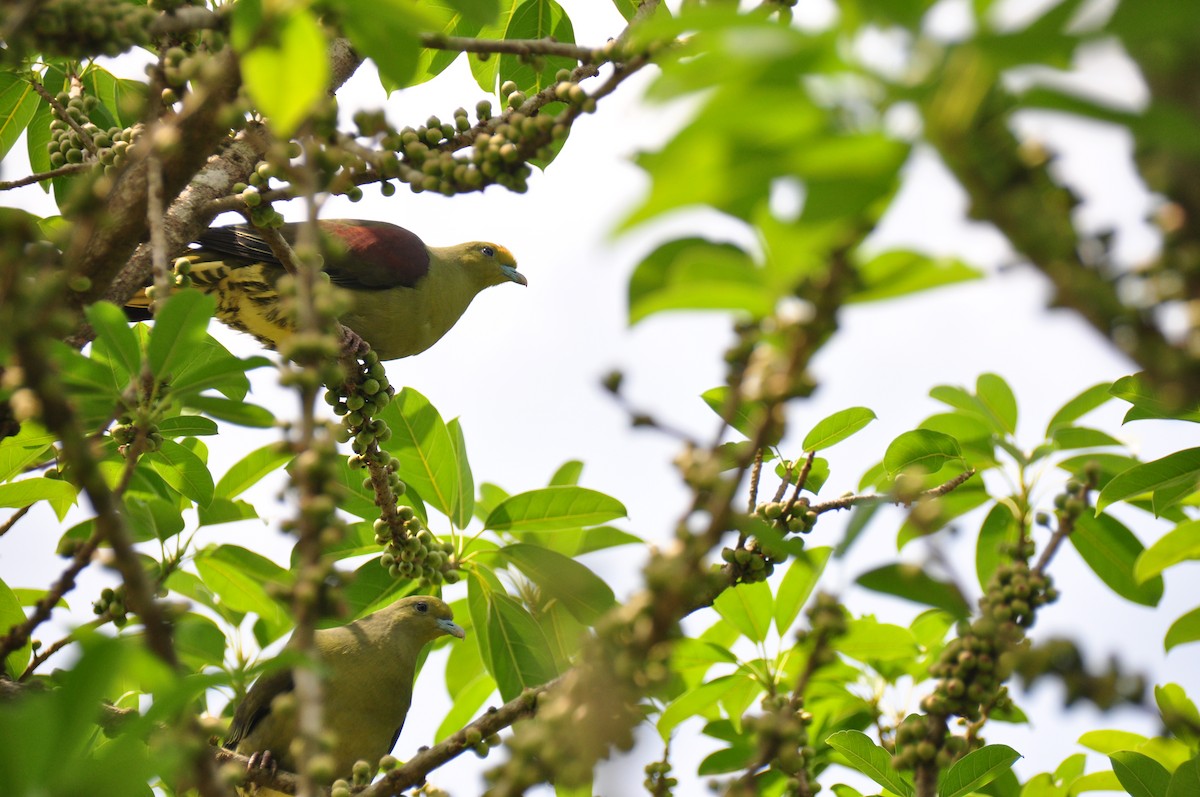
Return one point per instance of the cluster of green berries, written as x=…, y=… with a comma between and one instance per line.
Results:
x=87, y=28
x=414, y=553
x=250, y=192
x=356, y=403
x=973, y=667
x=790, y=516
x=659, y=782
x=181, y=66
x=753, y=562
x=111, y=604
x=1071, y=503
x=1015, y=592
x=782, y=732
x=66, y=145
x=922, y=741
x=481, y=745
x=125, y=432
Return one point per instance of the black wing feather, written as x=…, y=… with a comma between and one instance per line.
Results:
x=237, y=242
x=257, y=704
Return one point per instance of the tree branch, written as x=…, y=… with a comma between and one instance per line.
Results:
x=65, y=169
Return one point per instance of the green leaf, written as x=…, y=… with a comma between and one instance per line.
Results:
x=284, y=59
x=181, y=468
x=11, y=614
x=225, y=510
x=464, y=491
x=551, y=508
x=18, y=103
x=997, y=398
x=701, y=700
x=818, y=474
x=61, y=495
x=23, y=448
x=798, y=582
x=1185, y=782
x=1180, y=544
x=1179, y=714
x=1067, y=438
x=902, y=272
x=1174, y=470
x=910, y=582
x=1141, y=775
x=232, y=411
x=921, y=448
x=112, y=326
x=1081, y=405
x=697, y=274
x=998, y=530
x=1110, y=550
x=519, y=653
x=124, y=98
x=747, y=607
x=1184, y=630
x=179, y=330
x=152, y=518
x=870, y=759
x=567, y=474
x=1110, y=741
x=1147, y=403
x=581, y=591
x=250, y=469
x=747, y=417
x=528, y=19
x=371, y=589
x=976, y=769
x=422, y=443
x=868, y=640
x=187, y=426
x=238, y=577
x=837, y=427
x=199, y=641
x=386, y=31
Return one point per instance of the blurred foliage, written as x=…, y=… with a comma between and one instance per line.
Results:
x=785, y=681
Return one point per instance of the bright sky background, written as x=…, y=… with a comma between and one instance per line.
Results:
x=522, y=371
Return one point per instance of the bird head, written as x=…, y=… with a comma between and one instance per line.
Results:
x=487, y=263
x=425, y=618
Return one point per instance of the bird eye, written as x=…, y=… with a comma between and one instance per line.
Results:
x=487, y=251
x=422, y=607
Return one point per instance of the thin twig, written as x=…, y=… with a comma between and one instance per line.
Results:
x=522, y=47
x=65, y=169
x=12, y=519
x=847, y=501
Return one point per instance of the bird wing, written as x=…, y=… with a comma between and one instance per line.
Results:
x=362, y=255
x=374, y=255
x=239, y=243
x=257, y=704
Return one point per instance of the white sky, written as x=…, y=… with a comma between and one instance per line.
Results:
x=522, y=369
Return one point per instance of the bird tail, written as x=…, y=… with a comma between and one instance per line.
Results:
x=138, y=307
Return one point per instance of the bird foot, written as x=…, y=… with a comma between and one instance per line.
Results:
x=262, y=760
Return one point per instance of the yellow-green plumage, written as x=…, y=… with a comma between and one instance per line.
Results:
x=404, y=295
x=369, y=667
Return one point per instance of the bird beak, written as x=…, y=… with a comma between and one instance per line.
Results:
x=514, y=275
x=452, y=628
